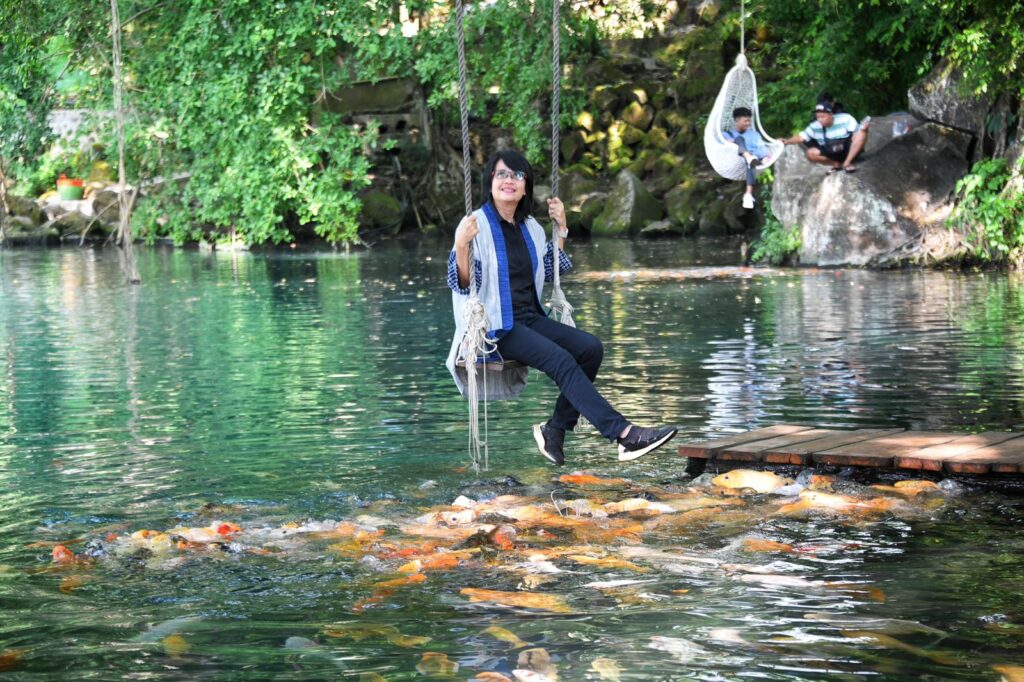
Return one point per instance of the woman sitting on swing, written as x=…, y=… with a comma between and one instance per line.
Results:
x=509, y=279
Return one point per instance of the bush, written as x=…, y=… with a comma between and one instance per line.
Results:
x=990, y=210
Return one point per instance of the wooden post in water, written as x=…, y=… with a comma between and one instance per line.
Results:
x=124, y=230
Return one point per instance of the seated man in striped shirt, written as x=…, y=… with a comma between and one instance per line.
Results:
x=832, y=139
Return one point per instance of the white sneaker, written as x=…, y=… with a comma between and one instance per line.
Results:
x=748, y=201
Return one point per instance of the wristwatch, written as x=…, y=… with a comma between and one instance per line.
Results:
x=562, y=232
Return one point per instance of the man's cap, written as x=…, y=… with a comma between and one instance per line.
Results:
x=823, y=106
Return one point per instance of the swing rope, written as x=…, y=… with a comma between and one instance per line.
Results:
x=560, y=307
x=743, y=30
x=475, y=345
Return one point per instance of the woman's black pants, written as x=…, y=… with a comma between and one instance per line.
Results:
x=571, y=358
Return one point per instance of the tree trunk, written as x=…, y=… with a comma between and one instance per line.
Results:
x=124, y=231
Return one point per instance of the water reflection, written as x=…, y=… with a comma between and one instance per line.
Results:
x=283, y=388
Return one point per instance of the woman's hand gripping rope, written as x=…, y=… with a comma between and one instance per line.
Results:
x=561, y=309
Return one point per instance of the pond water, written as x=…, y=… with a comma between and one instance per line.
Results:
x=273, y=395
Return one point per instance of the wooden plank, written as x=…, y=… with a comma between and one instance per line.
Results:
x=754, y=452
x=1005, y=458
x=800, y=453
x=710, y=448
x=881, y=451
x=931, y=459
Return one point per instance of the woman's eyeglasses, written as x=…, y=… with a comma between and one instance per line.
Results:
x=509, y=175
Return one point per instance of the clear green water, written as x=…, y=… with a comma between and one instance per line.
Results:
x=289, y=388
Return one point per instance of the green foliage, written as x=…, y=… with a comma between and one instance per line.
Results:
x=233, y=90
x=508, y=55
x=869, y=52
x=990, y=210
x=58, y=160
x=227, y=99
x=776, y=245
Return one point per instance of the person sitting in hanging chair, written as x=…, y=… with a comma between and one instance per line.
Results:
x=751, y=147
x=833, y=139
x=511, y=262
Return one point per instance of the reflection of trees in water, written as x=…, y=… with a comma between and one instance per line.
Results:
x=739, y=388
x=891, y=347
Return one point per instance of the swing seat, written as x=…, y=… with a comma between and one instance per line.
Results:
x=739, y=89
x=493, y=365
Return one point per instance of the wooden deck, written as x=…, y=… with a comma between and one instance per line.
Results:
x=992, y=452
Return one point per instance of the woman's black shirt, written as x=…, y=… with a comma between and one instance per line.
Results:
x=520, y=273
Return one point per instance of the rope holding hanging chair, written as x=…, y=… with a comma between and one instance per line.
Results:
x=739, y=89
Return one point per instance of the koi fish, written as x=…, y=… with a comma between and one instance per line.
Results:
x=528, y=600
x=759, y=481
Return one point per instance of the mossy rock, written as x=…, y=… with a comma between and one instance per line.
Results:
x=632, y=136
x=106, y=205
x=686, y=200
x=73, y=222
x=638, y=115
x=380, y=211
x=585, y=120
x=613, y=137
x=671, y=120
x=602, y=71
x=575, y=186
x=582, y=217
x=581, y=169
x=685, y=143
x=619, y=163
x=25, y=207
x=708, y=10
x=628, y=208
x=632, y=94
x=18, y=231
x=593, y=161
x=595, y=138
x=572, y=146
x=712, y=222
x=100, y=171
x=666, y=171
x=644, y=162
x=657, y=138
x=605, y=98
x=702, y=74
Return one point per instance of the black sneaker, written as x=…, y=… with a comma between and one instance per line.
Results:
x=639, y=441
x=549, y=442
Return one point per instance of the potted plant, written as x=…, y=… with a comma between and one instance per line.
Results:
x=70, y=189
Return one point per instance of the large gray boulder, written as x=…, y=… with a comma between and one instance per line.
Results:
x=628, y=209
x=864, y=218
x=941, y=97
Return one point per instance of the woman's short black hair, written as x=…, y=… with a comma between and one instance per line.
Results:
x=741, y=111
x=516, y=162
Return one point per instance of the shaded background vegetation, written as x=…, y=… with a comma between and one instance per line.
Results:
x=228, y=95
